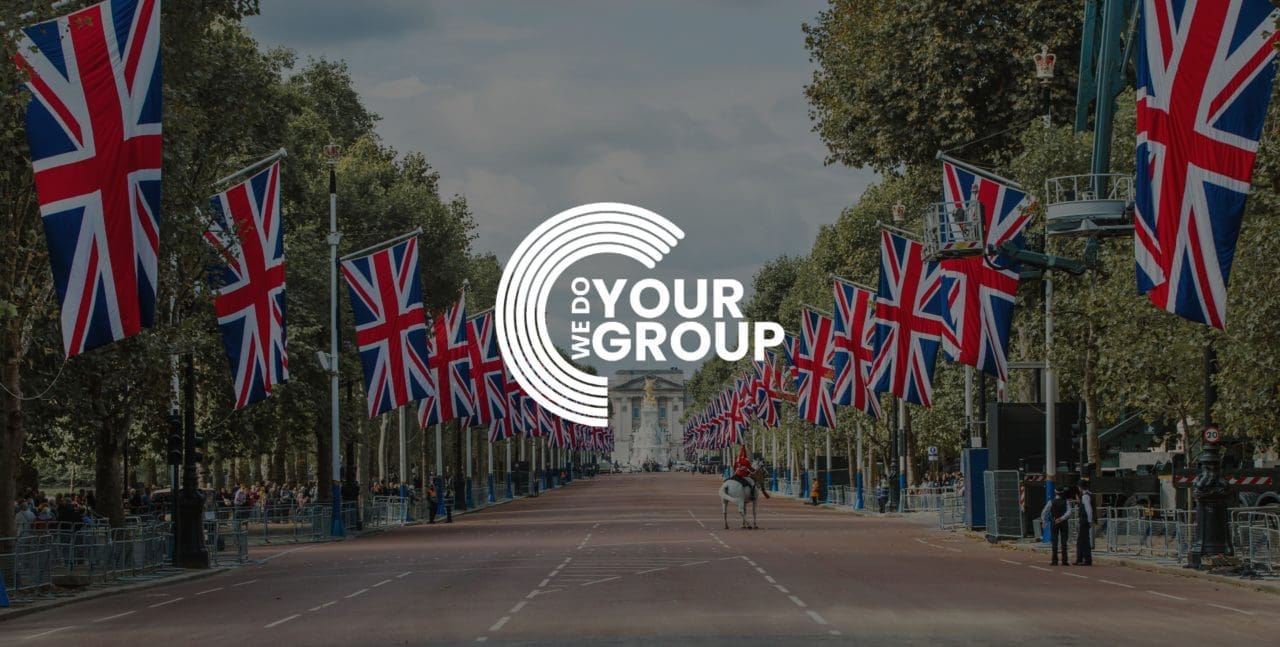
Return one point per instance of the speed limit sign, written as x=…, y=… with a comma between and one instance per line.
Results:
x=1211, y=434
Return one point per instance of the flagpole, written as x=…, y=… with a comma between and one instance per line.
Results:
x=250, y=168
x=943, y=157
x=829, y=463
x=510, y=493
x=332, y=151
x=384, y=244
x=902, y=455
x=466, y=471
x=974, y=439
x=490, y=498
x=440, y=505
x=404, y=463
x=857, y=486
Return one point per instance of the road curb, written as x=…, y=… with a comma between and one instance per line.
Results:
x=18, y=612
x=1177, y=571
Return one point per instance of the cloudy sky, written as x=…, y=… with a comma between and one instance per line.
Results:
x=693, y=109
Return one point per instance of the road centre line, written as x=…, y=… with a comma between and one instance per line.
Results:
x=544, y=582
x=1083, y=577
x=356, y=593
x=403, y=574
x=781, y=588
x=501, y=621
x=519, y=605
x=244, y=583
x=208, y=591
x=281, y=621
x=651, y=570
x=760, y=571
x=381, y=583
x=46, y=633
x=160, y=604
x=694, y=563
x=118, y=615
x=1172, y=597
x=1127, y=586
x=1247, y=613
x=816, y=617
x=769, y=579
x=615, y=577
x=1009, y=561
x=1040, y=568
x=800, y=603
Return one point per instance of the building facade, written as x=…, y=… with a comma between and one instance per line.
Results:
x=626, y=393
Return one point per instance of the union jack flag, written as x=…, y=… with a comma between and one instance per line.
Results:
x=391, y=329
x=93, y=127
x=546, y=424
x=511, y=423
x=1205, y=73
x=250, y=306
x=765, y=381
x=530, y=407
x=813, y=363
x=855, y=347
x=910, y=317
x=981, y=289
x=487, y=371
x=449, y=361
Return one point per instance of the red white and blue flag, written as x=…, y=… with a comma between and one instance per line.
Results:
x=511, y=423
x=765, y=380
x=981, y=289
x=250, y=306
x=1205, y=72
x=487, y=371
x=814, y=366
x=910, y=318
x=855, y=347
x=93, y=128
x=449, y=361
x=391, y=329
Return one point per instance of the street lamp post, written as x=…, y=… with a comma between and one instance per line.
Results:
x=331, y=153
x=1212, y=493
x=1044, y=62
x=900, y=411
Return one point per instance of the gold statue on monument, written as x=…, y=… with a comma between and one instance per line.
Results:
x=648, y=391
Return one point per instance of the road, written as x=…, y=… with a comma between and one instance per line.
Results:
x=644, y=559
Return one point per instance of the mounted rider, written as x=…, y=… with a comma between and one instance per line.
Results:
x=742, y=469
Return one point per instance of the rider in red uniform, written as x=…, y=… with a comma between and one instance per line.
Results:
x=742, y=472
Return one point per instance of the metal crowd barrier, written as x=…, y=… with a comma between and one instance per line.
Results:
x=227, y=541
x=950, y=511
x=1255, y=533
x=925, y=499
x=26, y=565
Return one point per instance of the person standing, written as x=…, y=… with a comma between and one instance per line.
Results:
x=1055, y=515
x=1084, y=539
x=815, y=491
x=882, y=495
x=432, y=500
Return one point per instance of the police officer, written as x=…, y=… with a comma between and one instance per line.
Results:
x=1055, y=515
x=1084, y=539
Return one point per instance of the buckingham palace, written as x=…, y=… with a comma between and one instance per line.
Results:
x=627, y=392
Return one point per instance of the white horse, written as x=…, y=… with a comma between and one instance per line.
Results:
x=734, y=492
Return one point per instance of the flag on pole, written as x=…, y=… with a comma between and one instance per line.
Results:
x=910, y=316
x=814, y=366
x=487, y=371
x=449, y=363
x=1205, y=71
x=391, y=329
x=93, y=128
x=854, y=340
x=250, y=305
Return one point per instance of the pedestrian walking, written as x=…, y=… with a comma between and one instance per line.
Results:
x=882, y=494
x=815, y=491
x=1055, y=515
x=1084, y=538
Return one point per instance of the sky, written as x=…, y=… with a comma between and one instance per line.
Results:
x=693, y=109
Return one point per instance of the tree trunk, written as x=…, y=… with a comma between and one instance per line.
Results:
x=1091, y=419
x=13, y=434
x=280, y=456
x=109, y=472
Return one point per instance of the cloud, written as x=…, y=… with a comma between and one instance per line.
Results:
x=402, y=88
x=303, y=24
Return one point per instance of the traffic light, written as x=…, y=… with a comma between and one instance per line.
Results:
x=197, y=450
x=175, y=449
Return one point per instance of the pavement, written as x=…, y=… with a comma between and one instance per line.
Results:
x=644, y=559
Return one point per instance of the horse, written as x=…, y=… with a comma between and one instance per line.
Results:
x=732, y=491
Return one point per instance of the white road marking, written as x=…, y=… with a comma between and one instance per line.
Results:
x=1172, y=597
x=531, y=595
x=1007, y=561
x=781, y=588
x=403, y=574
x=46, y=633
x=1127, y=586
x=519, y=605
x=749, y=560
x=922, y=541
x=544, y=582
x=281, y=621
x=954, y=550
x=326, y=604
x=833, y=632
x=694, y=563
x=118, y=615
x=1083, y=577
x=695, y=518
x=1039, y=568
x=817, y=618
x=160, y=604
x=356, y=593
x=381, y=583
x=1247, y=613
x=244, y=583
x=615, y=577
x=798, y=601
x=209, y=591
x=760, y=570
x=482, y=639
x=651, y=570
x=498, y=625
x=283, y=553
x=769, y=579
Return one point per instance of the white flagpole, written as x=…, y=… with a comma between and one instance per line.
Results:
x=857, y=504
x=336, y=529
x=975, y=439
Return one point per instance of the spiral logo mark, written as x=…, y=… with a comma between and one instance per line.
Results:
x=521, y=308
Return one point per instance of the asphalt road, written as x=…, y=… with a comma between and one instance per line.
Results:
x=644, y=559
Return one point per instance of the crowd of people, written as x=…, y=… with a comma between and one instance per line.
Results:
x=35, y=510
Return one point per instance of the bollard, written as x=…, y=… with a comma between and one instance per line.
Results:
x=857, y=484
x=511, y=494
x=4, y=595
x=490, y=498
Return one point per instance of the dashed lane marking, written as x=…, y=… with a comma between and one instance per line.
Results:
x=781, y=588
x=501, y=621
x=281, y=621
x=209, y=591
x=482, y=639
x=356, y=593
x=1219, y=606
x=326, y=604
x=760, y=570
x=694, y=563
x=954, y=550
x=695, y=518
x=1083, y=577
x=651, y=570
x=404, y=574
x=46, y=633
x=118, y=615
x=1127, y=586
x=1040, y=568
x=244, y=583
x=160, y=604
x=1166, y=595
x=519, y=605
x=769, y=579
x=833, y=632
x=800, y=603
x=381, y=583
x=544, y=582
x=816, y=617
x=615, y=577
x=1009, y=561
